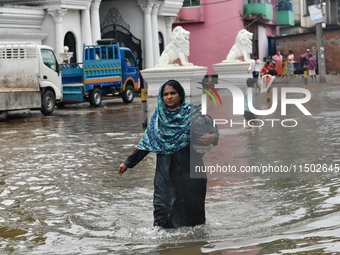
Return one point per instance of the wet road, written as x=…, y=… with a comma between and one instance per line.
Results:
x=60, y=193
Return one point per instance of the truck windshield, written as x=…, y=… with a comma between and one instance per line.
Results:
x=130, y=60
x=49, y=59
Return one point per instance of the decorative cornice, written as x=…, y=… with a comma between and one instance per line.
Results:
x=156, y=8
x=169, y=20
x=15, y=35
x=95, y=5
x=42, y=2
x=57, y=14
x=170, y=7
x=46, y=4
x=17, y=21
x=20, y=7
x=31, y=2
x=146, y=6
x=29, y=17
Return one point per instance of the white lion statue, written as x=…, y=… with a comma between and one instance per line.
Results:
x=178, y=48
x=243, y=46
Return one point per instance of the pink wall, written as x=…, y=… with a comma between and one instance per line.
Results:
x=214, y=33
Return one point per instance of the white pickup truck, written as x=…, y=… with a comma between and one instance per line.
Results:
x=29, y=78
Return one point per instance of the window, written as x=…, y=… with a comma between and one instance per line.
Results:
x=130, y=60
x=308, y=3
x=49, y=59
x=16, y=53
x=70, y=42
x=284, y=5
x=338, y=11
x=161, y=42
x=260, y=1
x=187, y=3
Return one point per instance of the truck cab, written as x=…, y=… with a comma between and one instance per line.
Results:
x=130, y=70
x=29, y=78
x=51, y=77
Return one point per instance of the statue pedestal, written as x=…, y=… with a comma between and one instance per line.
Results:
x=188, y=76
x=66, y=56
x=232, y=72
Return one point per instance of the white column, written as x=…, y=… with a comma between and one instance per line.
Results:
x=154, y=25
x=95, y=21
x=86, y=25
x=57, y=15
x=148, y=46
x=168, y=21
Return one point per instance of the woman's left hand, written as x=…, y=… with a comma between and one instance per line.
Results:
x=207, y=139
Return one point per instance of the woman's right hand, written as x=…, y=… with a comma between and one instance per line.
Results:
x=121, y=169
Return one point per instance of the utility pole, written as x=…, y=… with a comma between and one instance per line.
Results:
x=321, y=49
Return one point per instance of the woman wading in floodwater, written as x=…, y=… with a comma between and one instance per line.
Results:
x=178, y=199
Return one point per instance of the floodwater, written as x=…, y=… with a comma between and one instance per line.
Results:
x=60, y=192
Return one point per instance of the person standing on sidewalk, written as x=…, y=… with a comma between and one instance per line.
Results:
x=311, y=66
x=278, y=63
x=178, y=199
x=306, y=54
x=290, y=66
x=304, y=60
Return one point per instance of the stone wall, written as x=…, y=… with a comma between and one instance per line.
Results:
x=298, y=43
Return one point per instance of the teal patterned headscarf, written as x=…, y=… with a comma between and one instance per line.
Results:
x=168, y=130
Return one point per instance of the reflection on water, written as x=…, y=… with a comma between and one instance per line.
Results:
x=60, y=193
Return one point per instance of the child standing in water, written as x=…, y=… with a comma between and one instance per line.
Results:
x=255, y=67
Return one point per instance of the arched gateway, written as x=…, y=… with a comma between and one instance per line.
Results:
x=125, y=39
x=115, y=27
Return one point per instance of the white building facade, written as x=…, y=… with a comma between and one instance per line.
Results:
x=142, y=25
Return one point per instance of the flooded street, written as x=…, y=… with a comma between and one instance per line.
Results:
x=60, y=192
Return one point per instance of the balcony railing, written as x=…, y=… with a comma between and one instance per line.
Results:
x=284, y=18
x=259, y=9
x=190, y=15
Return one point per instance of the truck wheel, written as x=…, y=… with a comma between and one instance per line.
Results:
x=128, y=95
x=3, y=115
x=96, y=98
x=47, y=102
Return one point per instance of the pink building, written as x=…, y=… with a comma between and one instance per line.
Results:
x=214, y=24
